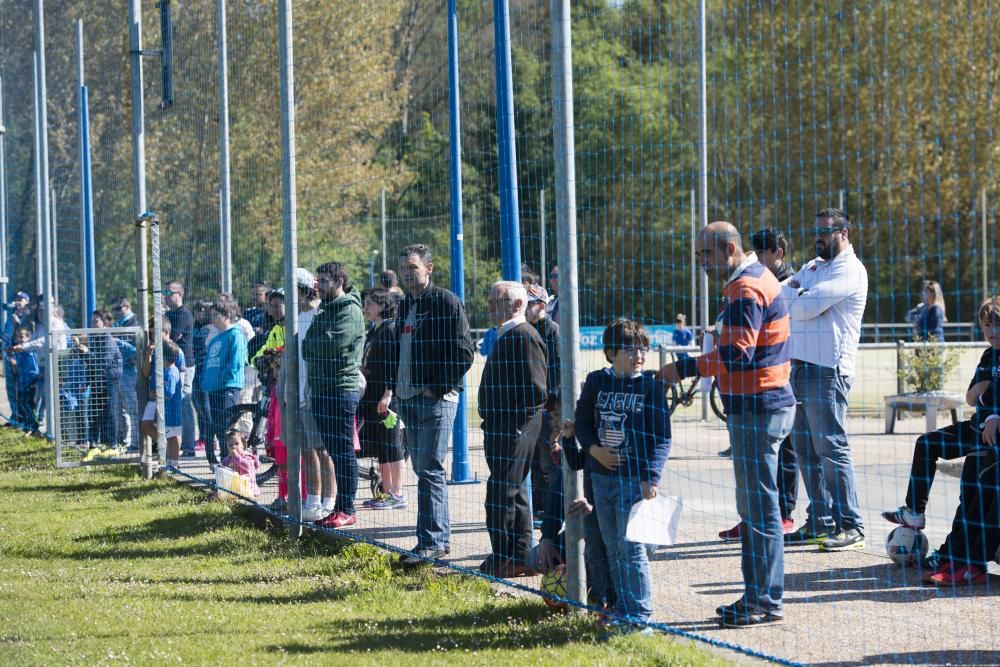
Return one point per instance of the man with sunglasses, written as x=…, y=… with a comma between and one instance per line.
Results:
x=826, y=300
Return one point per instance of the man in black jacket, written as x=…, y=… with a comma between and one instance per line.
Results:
x=511, y=394
x=435, y=352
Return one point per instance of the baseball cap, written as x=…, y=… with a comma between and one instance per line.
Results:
x=537, y=293
x=22, y=295
x=303, y=278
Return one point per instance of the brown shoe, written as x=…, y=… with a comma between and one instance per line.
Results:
x=510, y=570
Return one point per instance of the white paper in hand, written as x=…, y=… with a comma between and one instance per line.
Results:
x=654, y=521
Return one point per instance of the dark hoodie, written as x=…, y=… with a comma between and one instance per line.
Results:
x=334, y=344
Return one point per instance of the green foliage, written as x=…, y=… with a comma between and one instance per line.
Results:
x=925, y=369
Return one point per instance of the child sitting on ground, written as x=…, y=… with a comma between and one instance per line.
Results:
x=240, y=460
x=956, y=440
x=623, y=423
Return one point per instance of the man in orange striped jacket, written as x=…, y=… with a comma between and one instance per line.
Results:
x=752, y=365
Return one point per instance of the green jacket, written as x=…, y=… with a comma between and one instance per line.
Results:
x=334, y=344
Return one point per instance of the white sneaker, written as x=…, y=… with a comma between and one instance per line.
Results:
x=329, y=504
x=904, y=517
x=313, y=513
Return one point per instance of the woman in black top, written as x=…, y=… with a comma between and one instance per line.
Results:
x=379, y=363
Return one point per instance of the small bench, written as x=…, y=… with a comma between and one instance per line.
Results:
x=929, y=404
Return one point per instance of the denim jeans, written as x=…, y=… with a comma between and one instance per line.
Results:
x=334, y=414
x=187, y=410
x=614, y=497
x=220, y=408
x=10, y=381
x=820, y=441
x=755, y=439
x=428, y=427
x=126, y=408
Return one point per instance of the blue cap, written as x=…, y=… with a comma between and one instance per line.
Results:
x=22, y=295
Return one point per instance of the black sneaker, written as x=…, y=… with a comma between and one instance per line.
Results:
x=851, y=539
x=741, y=616
x=724, y=609
x=726, y=453
x=805, y=535
x=422, y=557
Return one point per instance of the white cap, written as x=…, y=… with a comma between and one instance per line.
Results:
x=303, y=278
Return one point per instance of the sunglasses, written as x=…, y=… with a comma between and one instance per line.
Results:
x=826, y=231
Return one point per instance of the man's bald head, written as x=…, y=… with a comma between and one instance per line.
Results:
x=719, y=249
x=722, y=233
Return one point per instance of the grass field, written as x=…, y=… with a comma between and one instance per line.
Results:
x=100, y=567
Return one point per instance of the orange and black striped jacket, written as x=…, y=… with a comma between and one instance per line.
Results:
x=751, y=360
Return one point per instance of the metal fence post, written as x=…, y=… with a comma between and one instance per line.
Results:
x=3, y=218
x=460, y=431
x=569, y=309
x=161, y=424
x=510, y=235
x=703, y=169
x=290, y=361
x=225, y=202
x=138, y=155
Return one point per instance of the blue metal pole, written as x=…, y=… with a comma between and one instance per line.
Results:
x=88, y=204
x=460, y=431
x=510, y=233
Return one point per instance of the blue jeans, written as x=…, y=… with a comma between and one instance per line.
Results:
x=428, y=427
x=126, y=408
x=820, y=442
x=614, y=497
x=220, y=405
x=755, y=439
x=11, y=384
x=334, y=414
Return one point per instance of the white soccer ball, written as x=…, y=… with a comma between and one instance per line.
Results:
x=906, y=546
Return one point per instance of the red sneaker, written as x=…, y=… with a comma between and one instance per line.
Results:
x=963, y=576
x=945, y=568
x=338, y=520
x=733, y=534
x=787, y=526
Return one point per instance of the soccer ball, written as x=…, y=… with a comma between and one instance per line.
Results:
x=906, y=546
x=554, y=583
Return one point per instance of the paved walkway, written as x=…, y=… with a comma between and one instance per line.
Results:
x=853, y=608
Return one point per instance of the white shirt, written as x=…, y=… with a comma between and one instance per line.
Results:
x=305, y=321
x=826, y=311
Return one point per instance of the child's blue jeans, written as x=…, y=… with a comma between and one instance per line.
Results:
x=614, y=497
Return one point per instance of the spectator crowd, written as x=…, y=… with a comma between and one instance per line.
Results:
x=381, y=372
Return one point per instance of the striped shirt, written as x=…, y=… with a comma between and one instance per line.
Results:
x=751, y=360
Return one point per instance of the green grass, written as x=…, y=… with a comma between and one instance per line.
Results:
x=99, y=566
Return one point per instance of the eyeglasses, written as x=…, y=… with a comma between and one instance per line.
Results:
x=636, y=350
x=826, y=231
x=168, y=292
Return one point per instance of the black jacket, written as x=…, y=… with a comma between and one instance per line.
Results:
x=513, y=383
x=549, y=331
x=441, y=349
x=379, y=362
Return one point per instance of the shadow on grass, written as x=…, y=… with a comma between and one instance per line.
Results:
x=486, y=628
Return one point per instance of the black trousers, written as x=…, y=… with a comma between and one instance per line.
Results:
x=950, y=442
x=508, y=514
x=975, y=530
x=788, y=478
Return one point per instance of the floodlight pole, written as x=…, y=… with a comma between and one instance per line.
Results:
x=225, y=201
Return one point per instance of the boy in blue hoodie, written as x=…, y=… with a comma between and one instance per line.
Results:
x=623, y=423
x=26, y=365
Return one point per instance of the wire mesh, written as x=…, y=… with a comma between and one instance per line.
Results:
x=882, y=110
